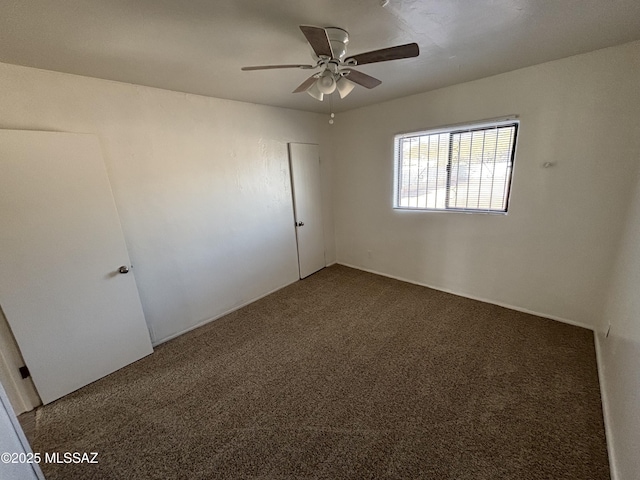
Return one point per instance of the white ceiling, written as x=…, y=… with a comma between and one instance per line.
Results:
x=198, y=46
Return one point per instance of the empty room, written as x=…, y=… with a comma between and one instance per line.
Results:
x=362, y=239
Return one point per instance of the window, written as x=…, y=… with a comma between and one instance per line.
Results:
x=464, y=168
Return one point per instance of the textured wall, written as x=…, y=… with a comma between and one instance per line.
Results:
x=552, y=253
x=619, y=354
x=201, y=184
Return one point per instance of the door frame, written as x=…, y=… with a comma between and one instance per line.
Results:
x=26, y=468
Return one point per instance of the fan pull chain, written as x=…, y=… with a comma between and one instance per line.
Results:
x=332, y=115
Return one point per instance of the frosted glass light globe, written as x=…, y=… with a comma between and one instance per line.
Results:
x=326, y=83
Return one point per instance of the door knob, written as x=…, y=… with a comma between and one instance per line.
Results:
x=123, y=269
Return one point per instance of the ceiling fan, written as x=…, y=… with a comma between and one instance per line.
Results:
x=336, y=73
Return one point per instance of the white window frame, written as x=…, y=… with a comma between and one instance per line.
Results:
x=451, y=129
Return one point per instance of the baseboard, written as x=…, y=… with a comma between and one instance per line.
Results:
x=227, y=312
x=597, y=338
x=473, y=297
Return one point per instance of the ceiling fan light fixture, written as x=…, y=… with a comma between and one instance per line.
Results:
x=344, y=86
x=326, y=83
x=315, y=92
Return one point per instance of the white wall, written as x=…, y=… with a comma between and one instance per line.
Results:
x=21, y=392
x=201, y=184
x=619, y=354
x=552, y=253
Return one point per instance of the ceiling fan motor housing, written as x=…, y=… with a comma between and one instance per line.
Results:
x=338, y=38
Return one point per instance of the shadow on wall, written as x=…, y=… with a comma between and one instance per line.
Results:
x=21, y=392
x=619, y=359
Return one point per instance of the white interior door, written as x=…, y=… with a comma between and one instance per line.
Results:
x=74, y=316
x=304, y=160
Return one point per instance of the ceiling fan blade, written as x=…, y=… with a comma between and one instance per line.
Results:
x=318, y=39
x=271, y=67
x=384, y=55
x=362, y=78
x=304, y=86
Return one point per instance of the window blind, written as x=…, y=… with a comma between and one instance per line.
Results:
x=465, y=168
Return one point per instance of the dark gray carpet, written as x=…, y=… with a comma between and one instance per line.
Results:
x=345, y=375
